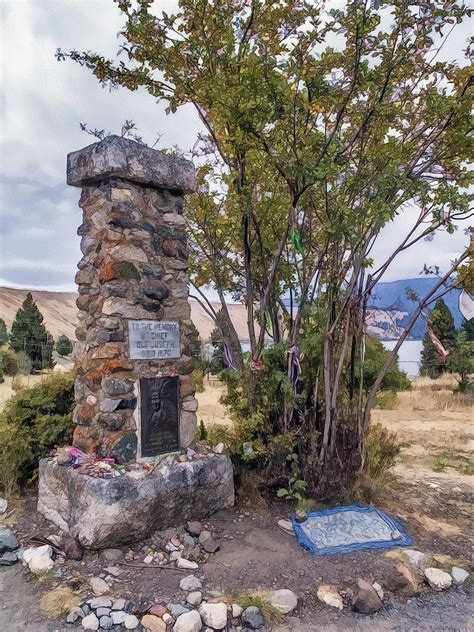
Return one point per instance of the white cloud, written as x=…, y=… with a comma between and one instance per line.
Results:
x=43, y=102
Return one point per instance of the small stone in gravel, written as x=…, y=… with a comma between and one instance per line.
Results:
x=118, y=617
x=8, y=559
x=330, y=596
x=194, y=598
x=8, y=541
x=99, y=586
x=106, y=622
x=188, y=622
x=438, y=579
x=168, y=619
x=188, y=541
x=283, y=600
x=112, y=555
x=366, y=600
x=286, y=526
x=175, y=555
x=190, y=583
x=459, y=575
x=176, y=609
x=91, y=622
x=194, y=528
x=301, y=516
x=214, y=615
x=3, y=505
x=204, y=535
x=102, y=612
x=417, y=558
x=119, y=604
x=158, y=611
x=181, y=562
x=154, y=624
x=71, y=547
x=115, y=571
x=219, y=448
x=131, y=622
x=100, y=602
x=236, y=610
x=252, y=618
x=75, y=614
x=210, y=545
x=379, y=590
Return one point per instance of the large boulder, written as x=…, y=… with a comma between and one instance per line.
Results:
x=101, y=512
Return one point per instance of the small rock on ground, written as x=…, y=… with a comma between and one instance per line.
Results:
x=438, y=579
x=459, y=575
x=99, y=586
x=194, y=598
x=214, y=615
x=366, y=600
x=176, y=609
x=152, y=623
x=8, y=541
x=404, y=581
x=91, y=622
x=253, y=618
x=330, y=596
x=190, y=583
x=131, y=622
x=188, y=622
x=283, y=600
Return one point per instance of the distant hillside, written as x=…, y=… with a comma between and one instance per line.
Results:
x=392, y=298
x=390, y=310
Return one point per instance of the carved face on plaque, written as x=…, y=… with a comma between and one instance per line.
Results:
x=159, y=415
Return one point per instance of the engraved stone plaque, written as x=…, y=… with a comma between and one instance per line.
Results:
x=153, y=339
x=159, y=415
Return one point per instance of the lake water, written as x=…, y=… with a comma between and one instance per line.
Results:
x=409, y=355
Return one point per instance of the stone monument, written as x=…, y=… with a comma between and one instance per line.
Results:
x=134, y=389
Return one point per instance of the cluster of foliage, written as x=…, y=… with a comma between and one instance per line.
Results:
x=33, y=421
x=63, y=346
x=321, y=127
x=458, y=344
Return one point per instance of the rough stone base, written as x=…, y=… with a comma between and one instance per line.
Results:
x=109, y=512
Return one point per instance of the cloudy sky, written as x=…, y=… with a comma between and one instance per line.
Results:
x=43, y=102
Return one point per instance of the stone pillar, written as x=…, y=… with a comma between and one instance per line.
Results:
x=133, y=268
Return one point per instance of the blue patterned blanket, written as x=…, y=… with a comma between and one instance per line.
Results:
x=349, y=528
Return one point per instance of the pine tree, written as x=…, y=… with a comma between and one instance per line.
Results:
x=29, y=334
x=63, y=346
x=441, y=322
x=467, y=328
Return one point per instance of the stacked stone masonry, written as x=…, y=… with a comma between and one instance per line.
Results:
x=134, y=266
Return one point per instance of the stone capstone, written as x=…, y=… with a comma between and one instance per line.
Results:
x=120, y=157
x=103, y=513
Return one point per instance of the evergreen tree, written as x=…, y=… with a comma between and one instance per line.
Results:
x=442, y=323
x=467, y=328
x=63, y=346
x=194, y=346
x=29, y=334
x=3, y=332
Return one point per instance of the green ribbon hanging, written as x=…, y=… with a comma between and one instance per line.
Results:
x=268, y=323
x=296, y=241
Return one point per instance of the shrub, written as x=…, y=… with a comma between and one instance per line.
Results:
x=198, y=377
x=387, y=400
x=32, y=423
x=25, y=366
x=16, y=384
x=381, y=449
x=8, y=361
x=63, y=346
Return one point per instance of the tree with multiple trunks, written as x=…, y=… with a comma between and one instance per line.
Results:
x=320, y=128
